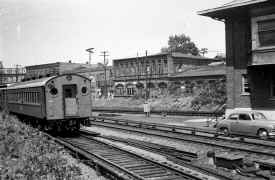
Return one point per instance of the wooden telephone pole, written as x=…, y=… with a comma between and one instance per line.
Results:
x=105, y=63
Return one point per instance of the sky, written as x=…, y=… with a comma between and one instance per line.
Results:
x=46, y=31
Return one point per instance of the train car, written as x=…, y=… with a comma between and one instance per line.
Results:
x=3, y=97
x=53, y=103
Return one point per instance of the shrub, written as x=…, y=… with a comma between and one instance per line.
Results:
x=26, y=154
x=213, y=93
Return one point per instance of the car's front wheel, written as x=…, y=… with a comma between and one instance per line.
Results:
x=263, y=134
x=224, y=131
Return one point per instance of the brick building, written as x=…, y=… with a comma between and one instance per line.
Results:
x=11, y=75
x=134, y=75
x=250, y=53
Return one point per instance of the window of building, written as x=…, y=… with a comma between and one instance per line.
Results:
x=266, y=31
x=245, y=85
x=130, y=91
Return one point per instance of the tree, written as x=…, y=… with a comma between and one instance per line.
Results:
x=181, y=43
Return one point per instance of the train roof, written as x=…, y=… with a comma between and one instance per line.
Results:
x=38, y=82
x=32, y=83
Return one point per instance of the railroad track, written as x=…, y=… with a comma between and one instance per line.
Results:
x=160, y=149
x=126, y=165
x=266, y=148
x=180, y=157
x=177, y=113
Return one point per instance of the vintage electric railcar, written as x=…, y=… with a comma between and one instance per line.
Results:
x=52, y=103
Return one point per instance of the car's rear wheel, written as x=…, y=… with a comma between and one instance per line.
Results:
x=263, y=134
x=225, y=131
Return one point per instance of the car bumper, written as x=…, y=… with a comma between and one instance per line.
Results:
x=272, y=134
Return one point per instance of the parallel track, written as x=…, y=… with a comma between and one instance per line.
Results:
x=177, y=113
x=245, y=146
x=127, y=165
x=180, y=157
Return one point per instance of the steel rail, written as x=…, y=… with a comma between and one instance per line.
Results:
x=199, y=132
x=207, y=140
x=189, y=175
x=93, y=159
x=169, y=112
x=184, y=161
x=120, y=159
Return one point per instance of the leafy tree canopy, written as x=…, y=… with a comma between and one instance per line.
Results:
x=181, y=43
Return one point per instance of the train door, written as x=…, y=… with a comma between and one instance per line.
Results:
x=70, y=100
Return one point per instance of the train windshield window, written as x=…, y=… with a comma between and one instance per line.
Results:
x=69, y=91
x=54, y=91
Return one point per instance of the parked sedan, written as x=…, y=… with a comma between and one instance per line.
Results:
x=248, y=123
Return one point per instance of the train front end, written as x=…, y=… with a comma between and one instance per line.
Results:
x=68, y=101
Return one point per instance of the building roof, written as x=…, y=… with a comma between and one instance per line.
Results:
x=219, y=11
x=200, y=71
x=173, y=54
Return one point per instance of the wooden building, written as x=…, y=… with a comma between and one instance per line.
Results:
x=250, y=53
x=137, y=74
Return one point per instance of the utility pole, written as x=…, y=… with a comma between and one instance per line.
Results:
x=146, y=77
x=90, y=51
x=105, y=63
x=17, y=71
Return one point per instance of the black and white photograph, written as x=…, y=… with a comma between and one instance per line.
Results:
x=137, y=90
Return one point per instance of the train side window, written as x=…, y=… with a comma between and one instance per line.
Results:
x=35, y=97
x=33, y=93
x=21, y=97
x=31, y=97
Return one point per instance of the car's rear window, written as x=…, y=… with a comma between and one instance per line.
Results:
x=258, y=116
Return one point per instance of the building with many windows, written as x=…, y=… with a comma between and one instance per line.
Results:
x=11, y=75
x=250, y=53
x=136, y=75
